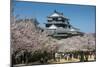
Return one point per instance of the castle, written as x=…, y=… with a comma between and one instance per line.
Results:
x=59, y=26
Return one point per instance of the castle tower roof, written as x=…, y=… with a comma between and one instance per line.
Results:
x=52, y=27
x=56, y=14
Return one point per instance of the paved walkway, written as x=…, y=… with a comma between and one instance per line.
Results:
x=63, y=61
x=67, y=61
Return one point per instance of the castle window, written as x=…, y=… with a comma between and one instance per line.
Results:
x=63, y=20
x=55, y=19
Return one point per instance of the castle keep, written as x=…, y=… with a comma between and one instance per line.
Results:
x=59, y=26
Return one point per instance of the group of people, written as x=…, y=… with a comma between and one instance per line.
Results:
x=81, y=56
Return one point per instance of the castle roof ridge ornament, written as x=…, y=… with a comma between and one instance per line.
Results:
x=58, y=12
x=55, y=11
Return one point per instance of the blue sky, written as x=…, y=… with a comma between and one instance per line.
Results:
x=81, y=16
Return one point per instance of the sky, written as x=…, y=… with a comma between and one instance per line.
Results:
x=81, y=16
